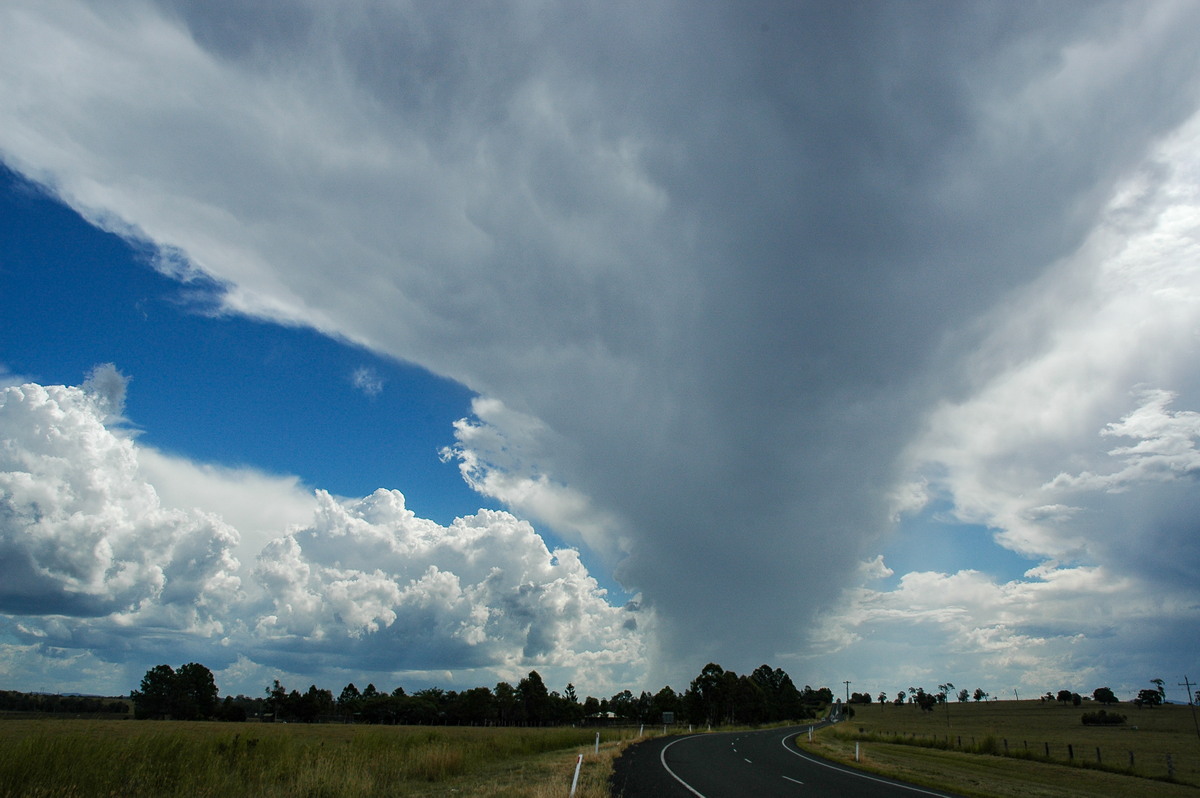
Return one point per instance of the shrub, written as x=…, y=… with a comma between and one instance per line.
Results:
x=1102, y=718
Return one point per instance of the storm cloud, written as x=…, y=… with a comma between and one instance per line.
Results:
x=729, y=280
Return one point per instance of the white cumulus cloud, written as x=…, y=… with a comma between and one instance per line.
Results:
x=99, y=568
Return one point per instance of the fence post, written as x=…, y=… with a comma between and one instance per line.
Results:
x=1047, y=750
x=1070, y=752
x=1099, y=761
x=1170, y=768
x=575, y=781
x=1006, y=746
x=1131, y=760
x=597, y=742
x=856, y=752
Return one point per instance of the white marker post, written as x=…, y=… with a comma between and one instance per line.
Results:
x=575, y=781
x=597, y=742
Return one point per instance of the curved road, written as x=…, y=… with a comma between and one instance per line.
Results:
x=762, y=764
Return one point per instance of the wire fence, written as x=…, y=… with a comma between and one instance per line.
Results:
x=1130, y=760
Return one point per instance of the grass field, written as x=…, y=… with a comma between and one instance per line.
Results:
x=154, y=758
x=962, y=748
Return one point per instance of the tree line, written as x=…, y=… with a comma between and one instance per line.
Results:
x=13, y=701
x=715, y=697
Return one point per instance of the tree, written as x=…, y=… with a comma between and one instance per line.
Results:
x=1104, y=695
x=276, y=703
x=882, y=697
x=534, y=699
x=1147, y=698
x=963, y=695
x=1162, y=693
x=187, y=694
x=1064, y=696
x=926, y=701
x=979, y=695
x=506, y=703
x=195, y=692
x=705, y=696
x=155, y=697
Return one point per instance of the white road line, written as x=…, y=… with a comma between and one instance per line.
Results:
x=861, y=775
x=797, y=781
x=662, y=757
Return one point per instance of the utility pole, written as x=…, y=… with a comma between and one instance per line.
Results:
x=847, y=693
x=1186, y=683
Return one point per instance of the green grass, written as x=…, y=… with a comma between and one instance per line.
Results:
x=968, y=754
x=153, y=758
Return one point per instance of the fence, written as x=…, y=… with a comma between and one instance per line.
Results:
x=1117, y=759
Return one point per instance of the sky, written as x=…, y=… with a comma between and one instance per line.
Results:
x=430, y=344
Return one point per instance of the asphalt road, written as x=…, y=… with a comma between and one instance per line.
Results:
x=759, y=764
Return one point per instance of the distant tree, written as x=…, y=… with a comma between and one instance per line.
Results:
x=195, y=692
x=313, y=704
x=187, y=694
x=622, y=705
x=534, y=699
x=706, y=697
x=899, y=698
x=349, y=701
x=980, y=694
x=276, y=703
x=1064, y=696
x=231, y=711
x=155, y=697
x=1104, y=695
x=665, y=700
x=477, y=706
x=506, y=704
x=882, y=697
x=963, y=695
x=1147, y=698
x=1162, y=693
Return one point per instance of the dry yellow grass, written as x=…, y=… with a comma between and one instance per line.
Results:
x=152, y=758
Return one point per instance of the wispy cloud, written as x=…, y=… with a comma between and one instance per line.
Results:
x=367, y=380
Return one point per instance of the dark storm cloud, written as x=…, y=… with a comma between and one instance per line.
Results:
x=726, y=256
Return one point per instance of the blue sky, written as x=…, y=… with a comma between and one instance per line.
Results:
x=216, y=387
x=447, y=345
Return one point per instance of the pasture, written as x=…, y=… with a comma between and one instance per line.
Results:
x=66, y=757
x=1023, y=748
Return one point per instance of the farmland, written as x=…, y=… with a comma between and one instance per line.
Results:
x=131, y=758
x=1023, y=748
